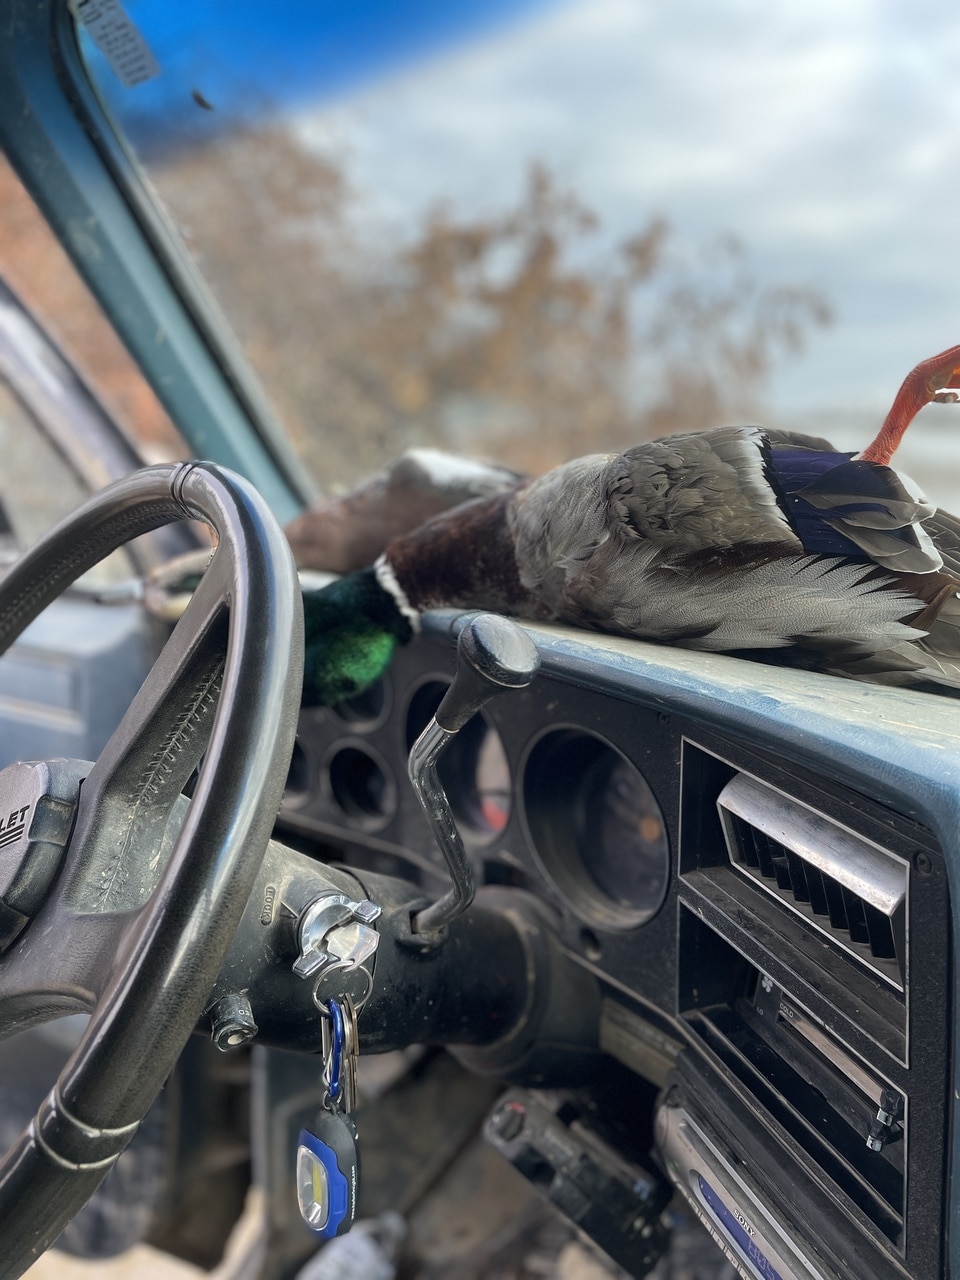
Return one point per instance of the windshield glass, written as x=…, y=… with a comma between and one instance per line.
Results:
x=70, y=395
x=533, y=230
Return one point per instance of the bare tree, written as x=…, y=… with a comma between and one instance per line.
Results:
x=515, y=335
x=522, y=335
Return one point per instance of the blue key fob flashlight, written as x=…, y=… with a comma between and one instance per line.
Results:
x=327, y=1169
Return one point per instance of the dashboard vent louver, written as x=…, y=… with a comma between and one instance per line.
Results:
x=844, y=884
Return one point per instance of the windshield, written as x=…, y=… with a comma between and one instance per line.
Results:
x=529, y=231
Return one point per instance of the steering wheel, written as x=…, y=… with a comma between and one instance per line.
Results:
x=116, y=897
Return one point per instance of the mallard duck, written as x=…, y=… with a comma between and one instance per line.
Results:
x=348, y=531
x=761, y=543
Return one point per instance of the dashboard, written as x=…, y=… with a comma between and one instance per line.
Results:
x=755, y=865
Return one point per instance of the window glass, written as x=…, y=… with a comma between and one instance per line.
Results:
x=530, y=230
x=38, y=488
x=42, y=480
x=38, y=270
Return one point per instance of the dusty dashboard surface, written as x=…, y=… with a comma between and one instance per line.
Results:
x=753, y=862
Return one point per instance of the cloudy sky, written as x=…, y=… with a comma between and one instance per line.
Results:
x=825, y=135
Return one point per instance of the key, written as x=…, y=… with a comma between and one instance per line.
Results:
x=351, y=1052
x=328, y=1161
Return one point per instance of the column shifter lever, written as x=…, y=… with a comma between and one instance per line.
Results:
x=494, y=655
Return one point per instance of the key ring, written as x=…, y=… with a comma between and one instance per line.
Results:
x=358, y=1002
x=334, y=1062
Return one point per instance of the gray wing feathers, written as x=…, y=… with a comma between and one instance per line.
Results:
x=780, y=439
x=697, y=493
x=557, y=522
x=805, y=600
x=666, y=500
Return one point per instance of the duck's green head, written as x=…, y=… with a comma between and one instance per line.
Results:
x=351, y=631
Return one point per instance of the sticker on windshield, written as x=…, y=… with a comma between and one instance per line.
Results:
x=118, y=40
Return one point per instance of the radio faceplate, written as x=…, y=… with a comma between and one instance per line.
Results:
x=727, y=1202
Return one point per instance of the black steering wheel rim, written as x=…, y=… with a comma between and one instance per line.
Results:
x=227, y=687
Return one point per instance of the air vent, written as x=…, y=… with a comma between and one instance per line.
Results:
x=850, y=888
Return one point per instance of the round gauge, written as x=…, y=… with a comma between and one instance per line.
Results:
x=596, y=828
x=473, y=767
x=361, y=785
x=366, y=708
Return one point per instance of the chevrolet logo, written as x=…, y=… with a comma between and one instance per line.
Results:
x=13, y=826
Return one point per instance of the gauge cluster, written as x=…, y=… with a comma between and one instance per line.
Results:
x=554, y=789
